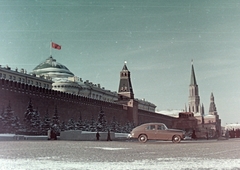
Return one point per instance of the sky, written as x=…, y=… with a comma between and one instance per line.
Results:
x=157, y=38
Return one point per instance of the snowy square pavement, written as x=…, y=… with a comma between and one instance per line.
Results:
x=119, y=155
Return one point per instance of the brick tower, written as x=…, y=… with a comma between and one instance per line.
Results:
x=126, y=96
x=125, y=89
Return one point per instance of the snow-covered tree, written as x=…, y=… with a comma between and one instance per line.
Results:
x=55, y=122
x=84, y=125
x=115, y=126
x=79, y=124
x=32, y=119
x=92, y=125
x=55, y=118
x=46, y=123
x=71, y=124
x=63, y=126
x=1, y=121
x=9, y=122
x=128, y=127
x=101, y=123
x=37, y=120
x=18, y=125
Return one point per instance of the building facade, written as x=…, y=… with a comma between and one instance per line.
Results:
x=22, y=77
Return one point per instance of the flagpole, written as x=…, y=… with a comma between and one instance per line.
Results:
x=51, y=48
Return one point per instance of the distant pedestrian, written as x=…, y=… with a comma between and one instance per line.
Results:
x=217, y=133
x=227, y=134
x=109, y=136
x=207, y=135
x=49, y=134
x=194, y=135
x=97, y=135
x=54, y=135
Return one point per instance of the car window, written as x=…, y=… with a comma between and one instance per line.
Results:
x=150, y=127
x=161, y=127
x=165, y=127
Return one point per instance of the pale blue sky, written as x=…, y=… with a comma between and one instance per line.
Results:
x=157, y=38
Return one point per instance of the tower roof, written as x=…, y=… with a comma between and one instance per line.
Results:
x=212, y=107
x=125, y=85
x=193, y=78
x=125, y=67
x=212, y=97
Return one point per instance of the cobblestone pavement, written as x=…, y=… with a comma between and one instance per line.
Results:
x=202, y=154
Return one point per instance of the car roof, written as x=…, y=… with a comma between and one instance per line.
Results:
x=156, y=123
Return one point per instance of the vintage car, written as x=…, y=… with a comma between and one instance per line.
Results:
x=156, y=131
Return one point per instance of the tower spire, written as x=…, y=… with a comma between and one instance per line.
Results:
x=193, y=78
x=194, y=98
x=125, y=86
x=212, y=107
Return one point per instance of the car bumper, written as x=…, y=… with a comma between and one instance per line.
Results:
x=129, y=136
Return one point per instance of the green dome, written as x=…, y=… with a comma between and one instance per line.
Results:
x=50, y=67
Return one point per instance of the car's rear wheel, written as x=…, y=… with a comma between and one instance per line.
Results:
x=176, y=139
x=142, y=138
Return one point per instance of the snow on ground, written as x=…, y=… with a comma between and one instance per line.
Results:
x=161, y=163
x=7, y=135
x=111, y=149
x=121, y=135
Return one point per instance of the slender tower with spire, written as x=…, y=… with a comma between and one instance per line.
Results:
x=194, y=98
x=125, y=86
x=213, y=112
x=212, y=107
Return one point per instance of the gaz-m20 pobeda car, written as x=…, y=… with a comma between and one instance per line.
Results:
x=156, y=131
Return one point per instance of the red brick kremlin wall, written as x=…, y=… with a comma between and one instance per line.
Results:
x=69, y=105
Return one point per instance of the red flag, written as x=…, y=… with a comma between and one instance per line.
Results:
x=56, y=46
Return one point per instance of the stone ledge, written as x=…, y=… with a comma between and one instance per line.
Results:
x=84, y=136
